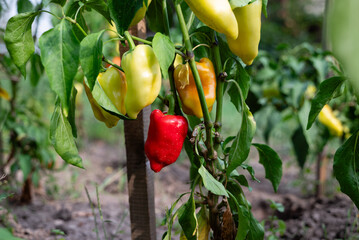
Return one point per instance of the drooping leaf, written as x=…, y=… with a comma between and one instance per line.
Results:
x=154, y=16
x=60, y=55
x=73, y=10
x=18, y=39
x=72, y=110
x=36, y=69
x=241, y=145
x=91, y=56
x=62, y=139
x=301, y=147
x=100, y=7
x=122, y=12
x=164, y=51
x=272, y=164
x=211, y=183
x=346, y=167
x=325, y=93
x=188, y=219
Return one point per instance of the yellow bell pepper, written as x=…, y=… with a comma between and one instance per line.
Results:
x=246, y=44
x=99, y=113
x=143, y=75
x=113, y=83
x=216, y=14
x=327, y=118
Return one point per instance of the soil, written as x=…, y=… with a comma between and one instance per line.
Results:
x=61, y=205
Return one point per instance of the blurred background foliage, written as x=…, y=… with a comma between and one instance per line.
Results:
x=290, y=60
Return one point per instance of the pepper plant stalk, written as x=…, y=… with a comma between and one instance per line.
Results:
x=130, y=41
x=220, y=82
x=196, y=77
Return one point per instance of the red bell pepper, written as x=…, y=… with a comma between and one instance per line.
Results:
x=165, y=139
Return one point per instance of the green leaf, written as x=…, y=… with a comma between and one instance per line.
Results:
x=211, y=183
x=346, y=168
x=102, y=99
x=300, y=145
x=238, y=3
x=72, y=9
x=244, y=80
x=154, y=16
x=272, y=164
x=100, y=7
x=62, y=139
x=188, y=219
x=325, y=93
x=91, y=56
x=164, y=51
x=25, y=165
x=60, y=56
x=122, y=12
x=18, y=39
x=24, y=6
x=241, y=145
x=60, y=2
x=6, y=234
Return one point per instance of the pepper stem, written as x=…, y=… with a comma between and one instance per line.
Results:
x=171, y=105
x=192, y=63
x=130, y=41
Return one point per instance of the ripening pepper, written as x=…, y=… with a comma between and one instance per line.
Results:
x=143, y=76
x=113, y=83
x=187, y=89
x=246, y=44
x=166, y=135
x=216, y=14
x=328, y=119
x=140, y=14
x=99, y=113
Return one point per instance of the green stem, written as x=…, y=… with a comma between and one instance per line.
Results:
x=130, y=41
x=192, y=63
x=220, y=83
x=77, y=25
x=141, y=40
x=113, y=64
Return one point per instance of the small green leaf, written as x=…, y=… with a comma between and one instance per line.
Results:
x=18, y=39
x=326, y=92
x=241, y=145
x=154, y=16
x=123, y=11
x=73, y=9
x=62, y=139
x=72, y=110
x=91, y=56
x=272, y=164
x=346, y=167
x=211, y=183
x=264, y=7
x=60, y=56
x=188, y=219
x=100, y=7
x=164, y=51
x=238, y=3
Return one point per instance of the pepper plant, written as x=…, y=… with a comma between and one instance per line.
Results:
x=223, y=36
